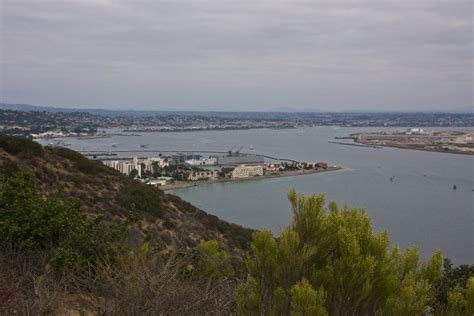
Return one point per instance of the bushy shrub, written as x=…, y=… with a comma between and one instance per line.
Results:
x=455, y=290
x=140, y=198
x=81, y=162
x=20, y=146
x=214, y=262
x=331, y=257
x=29, y=222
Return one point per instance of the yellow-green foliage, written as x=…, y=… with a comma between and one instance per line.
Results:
x=214, y=262
x=306, y=301
x=329, y=260
x=461, y=300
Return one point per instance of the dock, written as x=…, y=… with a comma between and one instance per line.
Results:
x=355, y=144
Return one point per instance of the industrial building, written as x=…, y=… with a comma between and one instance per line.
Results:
x=180, y=158
x=240, y=159
x=201, y=162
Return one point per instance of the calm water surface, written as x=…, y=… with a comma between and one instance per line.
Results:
x=419, y=207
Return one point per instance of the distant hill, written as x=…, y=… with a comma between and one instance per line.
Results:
x=103, y=112
x=302, y=116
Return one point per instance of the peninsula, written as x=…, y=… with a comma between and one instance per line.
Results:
x=455, y=142
x=181, y=170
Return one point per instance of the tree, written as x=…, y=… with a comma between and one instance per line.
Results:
x=330, y=256
x=451, y=286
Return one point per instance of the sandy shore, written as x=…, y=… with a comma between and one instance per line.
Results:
x=187, y=184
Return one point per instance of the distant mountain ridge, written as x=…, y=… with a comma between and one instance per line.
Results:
x=240, y=114
x=103, y=112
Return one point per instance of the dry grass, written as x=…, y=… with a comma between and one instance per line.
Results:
x=25, y=288
x=140, y=283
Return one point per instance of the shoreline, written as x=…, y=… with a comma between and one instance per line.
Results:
x=408, y=147
x=448, y=141
x=188, y=184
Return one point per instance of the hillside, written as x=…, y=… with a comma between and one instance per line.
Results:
x=165, y=218
x=78, y=238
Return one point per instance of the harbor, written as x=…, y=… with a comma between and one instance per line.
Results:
x=420, y=178
x=172, y=169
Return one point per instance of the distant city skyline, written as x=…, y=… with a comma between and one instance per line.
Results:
x=209, y=55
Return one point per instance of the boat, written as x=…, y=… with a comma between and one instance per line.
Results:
x=60, y=143
x=144, y=146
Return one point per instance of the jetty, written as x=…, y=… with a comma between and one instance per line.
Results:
x=355, y=144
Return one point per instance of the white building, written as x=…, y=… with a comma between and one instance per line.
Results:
x=160, y=161
x=159, y=181
x=125, y=167
x=244, y=171
x=202, y=175
x=201, y=162
x=412, y=131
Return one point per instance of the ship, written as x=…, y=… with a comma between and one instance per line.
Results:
x=238, y=158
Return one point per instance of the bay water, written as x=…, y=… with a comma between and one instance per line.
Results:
x=418, y=207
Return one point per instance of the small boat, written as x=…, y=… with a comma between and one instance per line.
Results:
x=114, y=145
x=455, y=187
x=144, y=146
x=251, y=148
x=60, y=143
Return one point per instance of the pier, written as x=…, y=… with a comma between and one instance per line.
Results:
x=355, y=144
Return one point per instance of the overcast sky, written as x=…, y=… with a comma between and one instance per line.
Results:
x=238, y=55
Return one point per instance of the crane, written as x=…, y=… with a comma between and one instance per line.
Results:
x=230, y=150
x=238, y=150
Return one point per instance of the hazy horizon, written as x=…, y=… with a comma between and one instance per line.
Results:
x=300, y=56
x=277, y=110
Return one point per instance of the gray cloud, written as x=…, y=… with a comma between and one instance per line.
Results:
x=238, y=55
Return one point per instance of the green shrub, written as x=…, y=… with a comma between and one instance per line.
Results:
x=81, y=162
x=94, y=241
x=452, y=290
x=330, y=260
x=140, y=198
x=29, y=222
x=20, y=146
x=214, y=262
